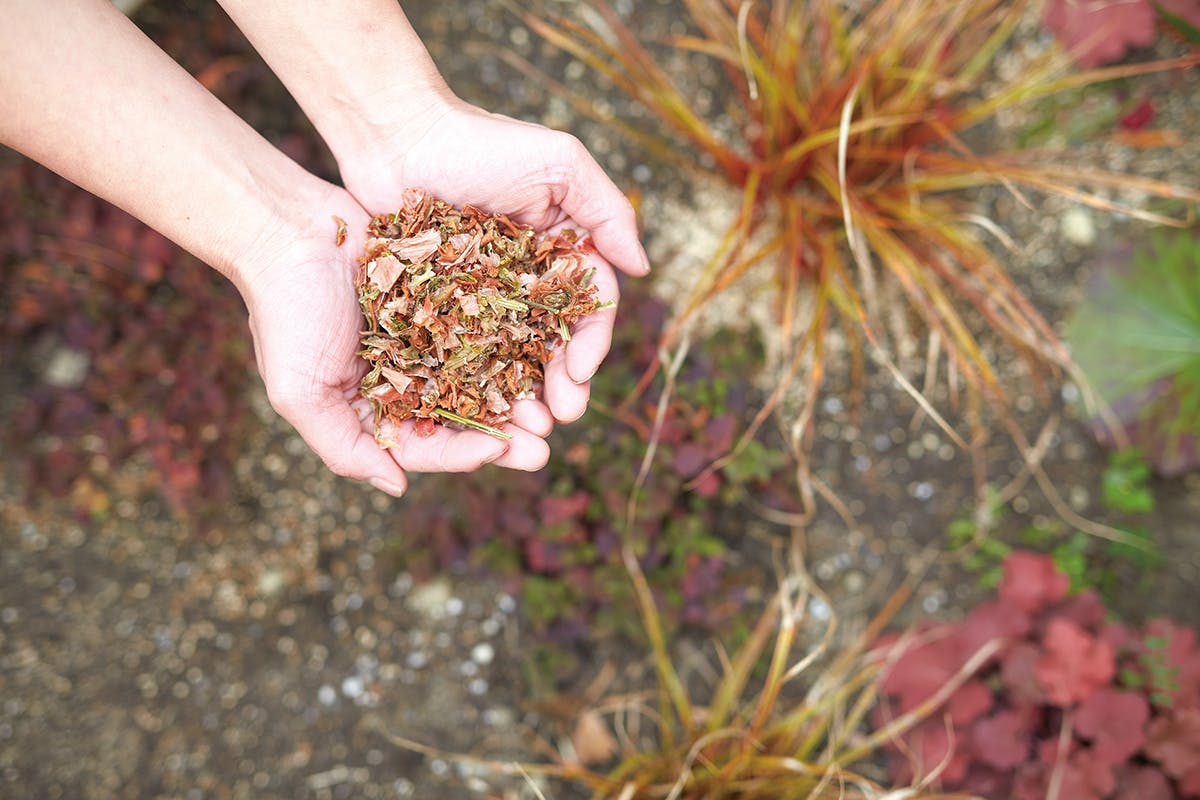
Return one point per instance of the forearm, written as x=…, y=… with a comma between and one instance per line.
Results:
x=358, y=69
x=84, y=92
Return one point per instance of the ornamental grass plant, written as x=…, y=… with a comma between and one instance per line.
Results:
x=786, y=719
x=858, y=136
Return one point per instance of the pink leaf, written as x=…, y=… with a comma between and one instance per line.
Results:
x=1001, y=740
x=992, y=620
x=1100, y=31
x=1189, y=784
x=689, y=459
x=1085, y=609
x=1018, y=674
x=1181, y=657
x=920, y=671
x=972, y=700
x=1080, y=777
x=1173, y=740
x=1074, y=664
x=553, y=510
x=1142, y=783
x=1031, y=581
x=930, y=743
x=1115, y=722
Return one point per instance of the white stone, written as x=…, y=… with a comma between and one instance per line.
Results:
x=1078, y=228
x=429, y=599
x=66, y=368
x=483, y=653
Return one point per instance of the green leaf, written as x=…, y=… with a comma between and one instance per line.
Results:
x=755, y=462
x=1131, y=679
x=1146, y=557
x=1123, y=483
x=1185, y=28
x=1138, y=327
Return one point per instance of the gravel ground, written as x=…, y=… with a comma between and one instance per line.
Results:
x=260, y=654
x=138, y=659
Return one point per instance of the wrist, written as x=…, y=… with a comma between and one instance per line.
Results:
x=359, y=71
x=371, y=133
x=295, y=224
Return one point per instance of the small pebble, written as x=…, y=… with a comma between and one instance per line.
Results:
x=819, y=609
x=1078, y=228
x=430, y=599
x=483, y=653
x=352, y=687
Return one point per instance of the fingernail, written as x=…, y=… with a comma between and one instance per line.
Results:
x=501, y=450
x=387, y=487
x=645, y=260
x=582, y=381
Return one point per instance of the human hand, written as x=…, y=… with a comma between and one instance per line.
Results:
x=543, y=178
x=305, y=320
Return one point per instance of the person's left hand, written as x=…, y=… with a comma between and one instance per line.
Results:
x=304, y=316
x=543, y=178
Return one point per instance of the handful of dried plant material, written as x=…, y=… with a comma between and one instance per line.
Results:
x=463, y=310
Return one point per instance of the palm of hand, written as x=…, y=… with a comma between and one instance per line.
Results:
x=305, y=320
x=539, y=177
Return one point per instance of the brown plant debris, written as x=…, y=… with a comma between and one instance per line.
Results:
x=340, y=237
x=463, y=309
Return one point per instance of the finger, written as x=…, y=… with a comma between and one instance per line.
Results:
x=445, y=451
x=526, y=451
x=566, y=398
x=533, y=416
x=592, y=336
x=335, y=433
x=595, y=202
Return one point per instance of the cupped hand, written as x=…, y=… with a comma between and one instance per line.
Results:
x=305, y=320
x=539, y=177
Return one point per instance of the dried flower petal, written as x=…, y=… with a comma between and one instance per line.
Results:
x=383, y=272
x=471, y=303
x=416, y=249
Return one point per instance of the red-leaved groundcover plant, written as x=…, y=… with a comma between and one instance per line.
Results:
x=1073, y=703
x=1100, y=32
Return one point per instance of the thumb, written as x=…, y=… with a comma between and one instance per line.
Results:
x=594, y=202
x=335, y=433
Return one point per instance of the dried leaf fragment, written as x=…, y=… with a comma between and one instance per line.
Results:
x=462, y=310
x=342, y=231
x=592, y=740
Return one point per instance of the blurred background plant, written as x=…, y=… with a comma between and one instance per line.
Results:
x=861, y=132
x=1136, y=336
x=1108, y=566
x=857, y=138
x=756, y=732
x=1073, y=704
x=1099, y=32
x=563, y=557
x=133, y=356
